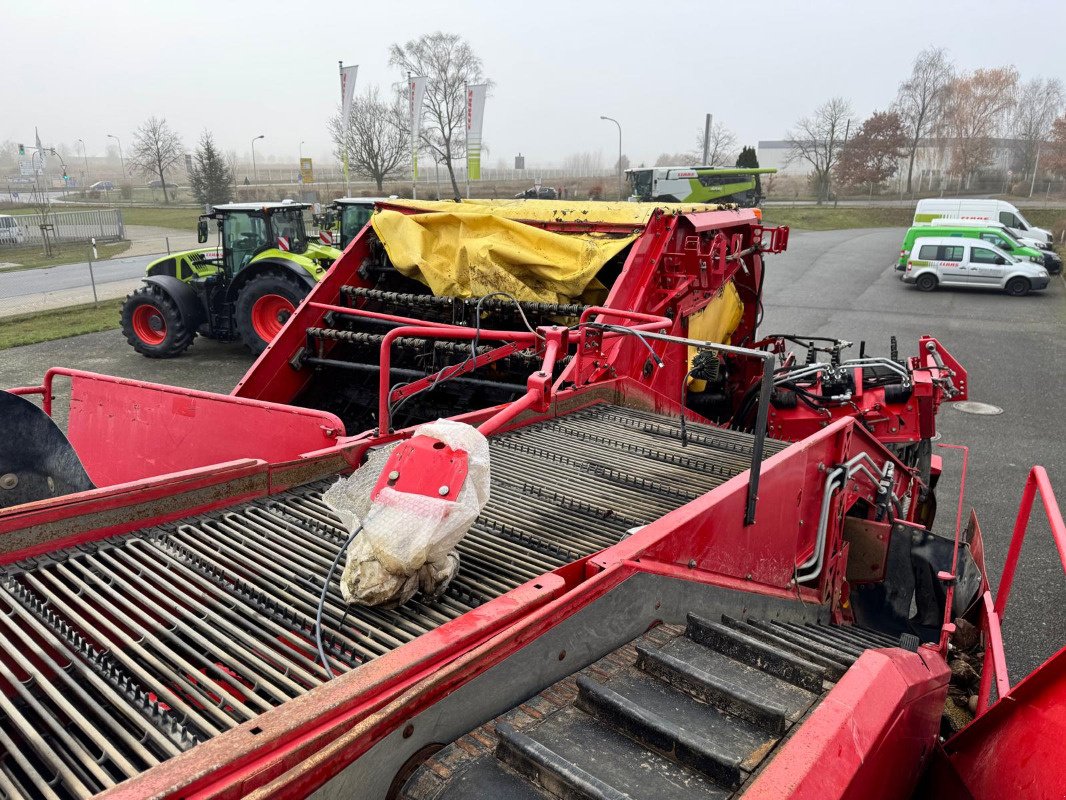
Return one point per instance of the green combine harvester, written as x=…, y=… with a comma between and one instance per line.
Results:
x=244, y=288
x=740, y=185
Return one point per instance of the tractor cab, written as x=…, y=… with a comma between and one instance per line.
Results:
x=350, y=215
x=248, y=229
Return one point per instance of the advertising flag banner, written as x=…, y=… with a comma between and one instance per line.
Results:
x=347, y=94
x=347, y=91
x=475, y=117
x=416, y=93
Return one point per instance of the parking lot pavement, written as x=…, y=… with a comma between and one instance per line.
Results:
x=842, y=283
x=829, y=283
x=208, y=365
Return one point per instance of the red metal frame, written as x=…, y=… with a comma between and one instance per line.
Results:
x=347, y=716
x=995, y=664
x=126, y=430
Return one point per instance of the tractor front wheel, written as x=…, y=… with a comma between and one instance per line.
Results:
x=264, y=306
x=152, y=324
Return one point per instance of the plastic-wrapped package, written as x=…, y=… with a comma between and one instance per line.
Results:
x=407, y=542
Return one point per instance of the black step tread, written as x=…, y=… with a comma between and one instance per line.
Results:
x=835, y=662
x=614, y=759
x=875, y=638
x=487, y=777
x=767, y=657
x=826, y=636
x=673, y=722
x=773, y=690
x=844, y=636
x=712, y=689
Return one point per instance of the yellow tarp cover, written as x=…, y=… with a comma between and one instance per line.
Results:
x=715, y=322
x=477, y=247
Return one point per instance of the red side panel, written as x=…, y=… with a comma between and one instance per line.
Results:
x=1016, y=748
x=127, y=430
x=870, y=735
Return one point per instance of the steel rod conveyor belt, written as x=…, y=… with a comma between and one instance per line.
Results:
x=121, y=653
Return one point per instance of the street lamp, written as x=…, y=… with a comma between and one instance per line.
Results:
x=255, y=172
x=120, y=158
x=616, y=122
x=85, y=161
x=301, y=152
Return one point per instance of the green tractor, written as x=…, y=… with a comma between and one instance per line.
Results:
x=245, y=288
x=345, y=217
x=739, y=185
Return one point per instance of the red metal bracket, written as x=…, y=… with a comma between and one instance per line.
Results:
x=426, y=466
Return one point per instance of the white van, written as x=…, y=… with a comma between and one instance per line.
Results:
x=953, y=261
x=980, y=209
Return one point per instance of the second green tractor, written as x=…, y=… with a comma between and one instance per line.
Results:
x=245, y=288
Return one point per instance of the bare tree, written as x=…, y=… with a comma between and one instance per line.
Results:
x=921, y=99
x=722, y=148
x=584, y=164
x=977, y=112
x=378, y=135
x=674, y=160
x=157, y=149
x=450, y=65
x=818, y=139
x=1055, y=160
x=1040, y=101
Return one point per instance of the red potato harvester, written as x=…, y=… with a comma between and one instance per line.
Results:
x=707, y=565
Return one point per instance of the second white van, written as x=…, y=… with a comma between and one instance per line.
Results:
x=980, y=209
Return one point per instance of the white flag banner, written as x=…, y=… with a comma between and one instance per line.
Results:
x=416, y=94
x=475, y=117
x=347, y=92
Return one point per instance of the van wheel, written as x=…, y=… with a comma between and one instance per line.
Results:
x=1017, y=287
x=926, y=282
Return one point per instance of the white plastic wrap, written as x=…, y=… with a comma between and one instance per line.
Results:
x=408, y=540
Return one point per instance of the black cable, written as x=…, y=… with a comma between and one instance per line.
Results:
x=322, y=602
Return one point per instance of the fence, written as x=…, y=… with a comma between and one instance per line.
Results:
x=104, y=225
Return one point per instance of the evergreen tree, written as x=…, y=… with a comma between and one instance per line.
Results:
x=211, y=179
x=747, y=158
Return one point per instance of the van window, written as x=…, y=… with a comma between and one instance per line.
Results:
x=928, y=252
x=1010, y=220
x=982, y=255
x=950, y=253
x=999, y=241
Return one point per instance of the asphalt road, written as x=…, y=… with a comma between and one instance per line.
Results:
x=831, y=283
x=28, y=290
x=842, y=284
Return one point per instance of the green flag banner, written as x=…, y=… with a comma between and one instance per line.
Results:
x=475, y=117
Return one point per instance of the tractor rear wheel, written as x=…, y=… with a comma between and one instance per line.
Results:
x=264, y=306
x=152, y=324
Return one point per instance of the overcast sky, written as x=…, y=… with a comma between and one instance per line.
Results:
x=86, y=69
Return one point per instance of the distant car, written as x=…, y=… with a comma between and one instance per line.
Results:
x=542, y=193
x=954, y=261
x=158, y=184
x=102, y=186
x=10, y=230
